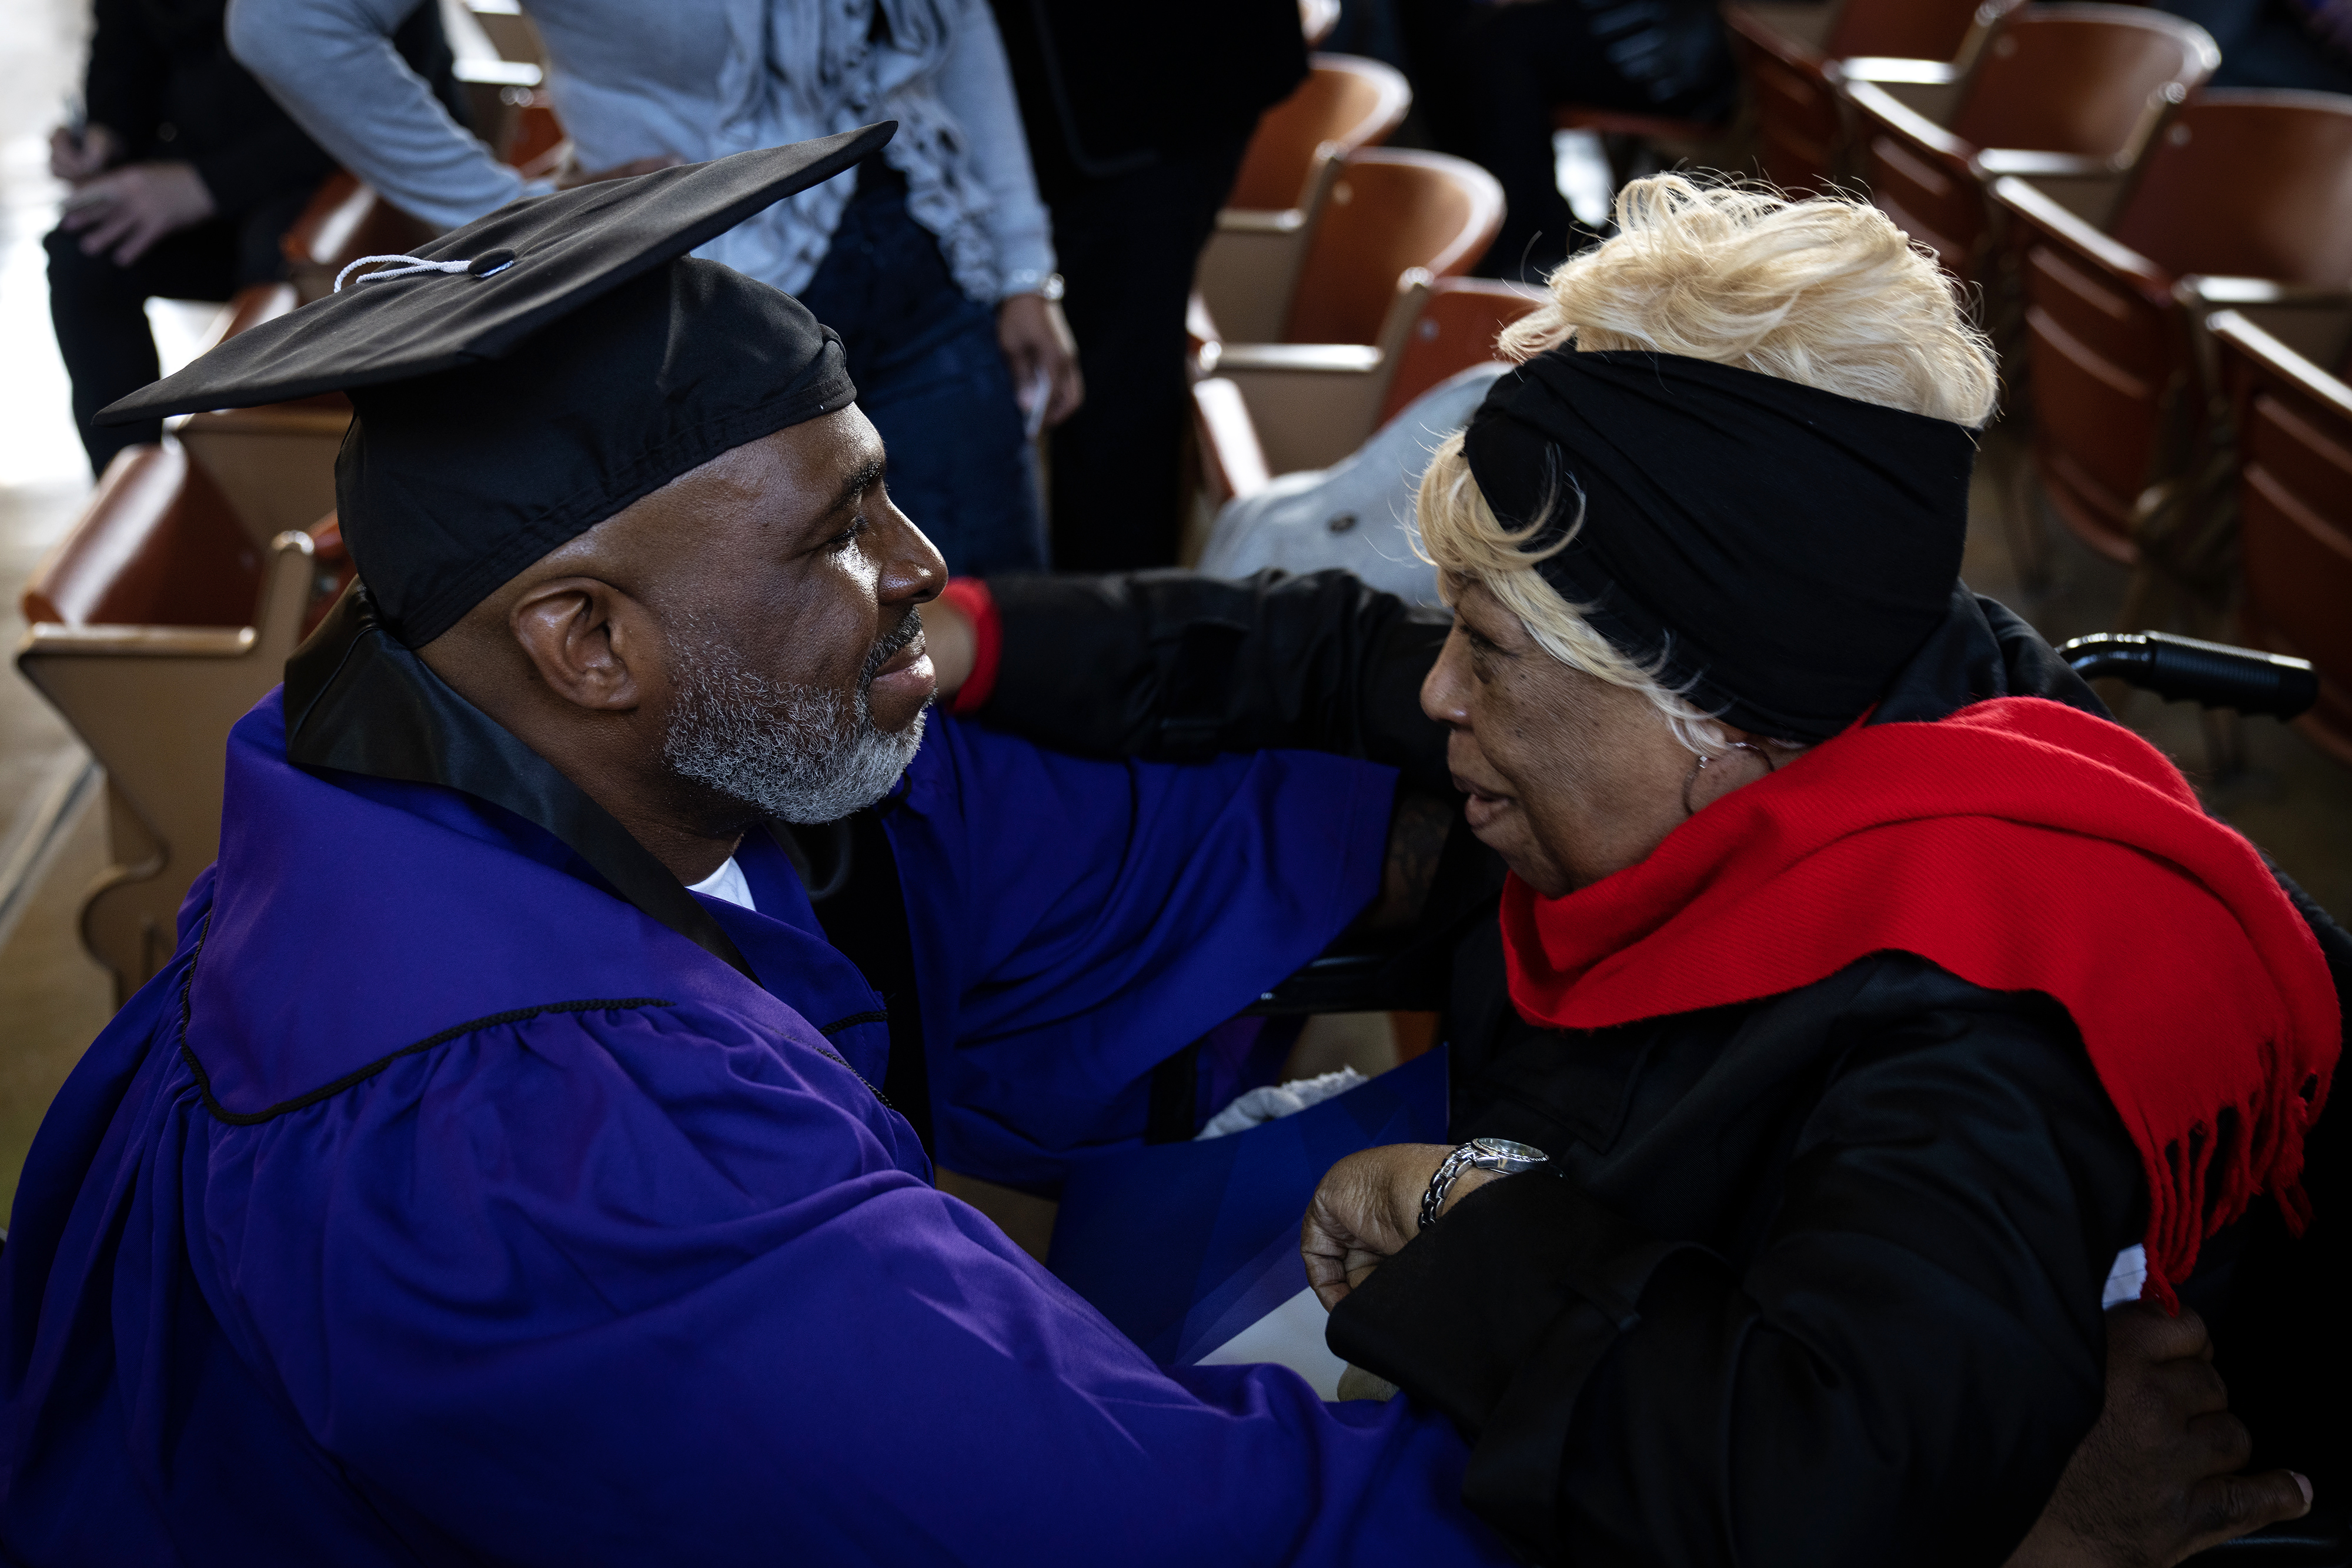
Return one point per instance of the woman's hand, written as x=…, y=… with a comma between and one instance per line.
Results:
x=1367, y=1207
x=127, y=210
x=2159, y=1479
x=1036, y=341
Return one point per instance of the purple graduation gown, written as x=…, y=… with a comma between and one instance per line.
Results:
x=434, y=1205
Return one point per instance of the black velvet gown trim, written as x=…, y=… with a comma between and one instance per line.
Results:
x=357, y=701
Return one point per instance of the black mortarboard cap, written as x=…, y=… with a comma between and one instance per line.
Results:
x=580, y=361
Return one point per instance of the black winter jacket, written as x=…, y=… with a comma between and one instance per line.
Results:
x=1813, y=1280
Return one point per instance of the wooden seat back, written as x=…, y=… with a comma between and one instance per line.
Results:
x=1458, y=326
x=1249, y=269
x=158, y=544
x=1346, y=104
x=2249, y=185
x=156, y=626
x=1390, y=212
x=2293, y=422
x=1792, y=58
x=2084, y=88
x=2094, y=80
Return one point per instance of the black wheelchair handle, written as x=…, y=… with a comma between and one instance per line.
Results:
x=2182, y=669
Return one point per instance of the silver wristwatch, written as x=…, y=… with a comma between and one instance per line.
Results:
x=1500, y=1155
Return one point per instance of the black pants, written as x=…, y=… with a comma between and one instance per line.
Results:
x=933, y=379
x=1487, y=77
x=100, y=315
x=1128, y=246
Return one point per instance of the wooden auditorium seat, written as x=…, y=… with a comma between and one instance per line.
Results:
x=2245, y=199
x=1250, y=262
x=2062, y=91
x=1793, y=57
x=2294, y=423
x=1396, y=221
x=276, y=463
x=154, y=624
x=1457, y=329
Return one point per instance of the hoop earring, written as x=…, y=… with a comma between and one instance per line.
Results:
x=1700, y=767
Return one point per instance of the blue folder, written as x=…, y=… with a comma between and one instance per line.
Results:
x=1183, y=1246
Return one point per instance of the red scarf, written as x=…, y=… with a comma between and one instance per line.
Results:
x=2023, y=846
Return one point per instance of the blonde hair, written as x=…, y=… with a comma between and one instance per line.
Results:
x=1826, y=292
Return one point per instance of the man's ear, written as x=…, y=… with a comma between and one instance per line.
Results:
x=592, y=645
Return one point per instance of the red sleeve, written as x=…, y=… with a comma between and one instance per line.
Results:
x=970, y=596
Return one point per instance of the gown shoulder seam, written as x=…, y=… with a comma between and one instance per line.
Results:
x=359, y=1074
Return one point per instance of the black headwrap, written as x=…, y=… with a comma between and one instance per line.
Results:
x=1776, y=552
x=522, y=379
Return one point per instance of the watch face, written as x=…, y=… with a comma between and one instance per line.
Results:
x=1505, y=1149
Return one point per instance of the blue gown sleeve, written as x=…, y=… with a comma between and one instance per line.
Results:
x=640, y=1285
x=1076, y=922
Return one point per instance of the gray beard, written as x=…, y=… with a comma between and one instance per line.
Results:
x=794, y=753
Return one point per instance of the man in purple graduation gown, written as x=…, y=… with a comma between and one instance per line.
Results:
x=498, y=1172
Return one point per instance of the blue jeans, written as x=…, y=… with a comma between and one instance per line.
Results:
x=931, y=378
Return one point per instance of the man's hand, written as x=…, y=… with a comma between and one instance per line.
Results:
x=2156, y=1480
x=124, y=212
x=1367, y=1207
x=75, y=160
x=1036, y=341
x=575, y=176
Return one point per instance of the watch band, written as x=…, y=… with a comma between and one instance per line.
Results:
x=1500, y=1155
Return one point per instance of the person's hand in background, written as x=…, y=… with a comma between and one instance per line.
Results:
x=2156, y=1480
x=75, y=159
x=122, y=213
x=1038, y=346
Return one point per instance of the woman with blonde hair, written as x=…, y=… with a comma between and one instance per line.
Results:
x=1815, y=1098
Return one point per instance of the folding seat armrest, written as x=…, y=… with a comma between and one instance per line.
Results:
x=1887, y=68
x=2289, y=362
x=1297, y=359
x=2199, y=290
x=1992, y=163
x=1876, y=104
x=49, y=638
x=1250, y=220
x=2064, y=227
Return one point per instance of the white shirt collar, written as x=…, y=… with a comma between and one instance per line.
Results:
x=727, y=883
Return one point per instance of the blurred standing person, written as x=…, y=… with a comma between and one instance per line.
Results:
x=936, y=266
x=1138, y=117
x=184, y=175
x=1489, y=73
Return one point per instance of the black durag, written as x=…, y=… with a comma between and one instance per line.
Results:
x=1775, y=552
x=449, y=485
